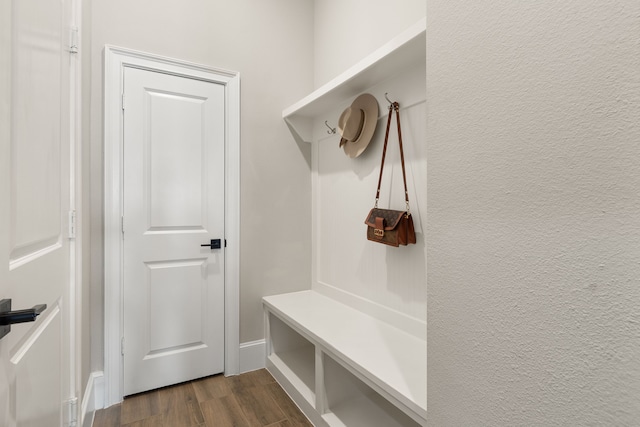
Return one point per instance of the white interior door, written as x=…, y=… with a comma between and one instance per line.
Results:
x=173, y=203
x=34, y=205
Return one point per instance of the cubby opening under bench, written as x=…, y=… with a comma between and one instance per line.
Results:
x=344, y=367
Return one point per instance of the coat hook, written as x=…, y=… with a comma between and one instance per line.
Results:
x=392, y=105
x=331, y=130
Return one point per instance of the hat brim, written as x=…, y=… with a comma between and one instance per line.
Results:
x=367, y=103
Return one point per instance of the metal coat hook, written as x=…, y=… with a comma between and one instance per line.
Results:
x=331, y=130
x=391, y=103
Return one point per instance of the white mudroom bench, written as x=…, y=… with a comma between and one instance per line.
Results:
x=344, y=367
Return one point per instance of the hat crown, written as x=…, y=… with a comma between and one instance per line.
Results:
x=357, y=124
x=351, y=123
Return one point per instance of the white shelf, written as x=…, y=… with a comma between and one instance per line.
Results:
x=369, y=410
x=293, y=356
x=400, y=53
x=386, y=359
x=350, y=402
x=294, y=365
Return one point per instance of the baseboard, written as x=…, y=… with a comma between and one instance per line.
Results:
x=252, y=355
x=93, y=398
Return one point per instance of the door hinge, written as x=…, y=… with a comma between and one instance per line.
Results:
x=71, y=413
x=123, y=102
x=122, y=346
x=72, y=224
x=73, y=41
x=122, y=224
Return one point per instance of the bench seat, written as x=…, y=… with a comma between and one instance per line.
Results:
x=390, y=361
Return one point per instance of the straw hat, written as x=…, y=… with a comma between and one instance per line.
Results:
x=357, y=124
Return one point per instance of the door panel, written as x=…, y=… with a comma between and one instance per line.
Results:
x=39, y=382
x=173, y=202
x=35, y=141
x=177, y=151
x=34, y=200
x=176, y=287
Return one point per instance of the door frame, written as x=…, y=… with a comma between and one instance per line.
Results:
x=115, y=59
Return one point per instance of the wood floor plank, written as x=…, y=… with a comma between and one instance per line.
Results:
x=284, y=402
x=285, y=423
x=212, y=387
x=224, y=412
x=155, y=421
x=139, y=407
x=261, y=377
x=250, y=379
x=258, y=406
x=180, y=406
x=109, y=417
x=252, y=399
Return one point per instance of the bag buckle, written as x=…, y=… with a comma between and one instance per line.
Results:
x=378, y=230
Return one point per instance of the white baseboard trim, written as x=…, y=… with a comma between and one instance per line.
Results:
x=93, y=398
x=252, y=355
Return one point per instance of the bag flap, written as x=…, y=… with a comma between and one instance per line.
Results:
x=391, y=218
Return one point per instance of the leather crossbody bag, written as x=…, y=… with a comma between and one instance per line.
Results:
x=389, y=226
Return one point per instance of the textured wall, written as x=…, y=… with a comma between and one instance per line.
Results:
x=533, y=213
x=533, y=135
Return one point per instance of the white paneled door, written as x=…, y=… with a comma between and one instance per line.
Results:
x=174, y=168
x=35, y=177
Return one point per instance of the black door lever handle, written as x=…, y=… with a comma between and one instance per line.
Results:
x=215, y=244
x=21, y=316
x=8, y=317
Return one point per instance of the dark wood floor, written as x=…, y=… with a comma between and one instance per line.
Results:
x=251, y=399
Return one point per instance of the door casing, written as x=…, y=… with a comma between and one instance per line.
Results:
x=115, y=59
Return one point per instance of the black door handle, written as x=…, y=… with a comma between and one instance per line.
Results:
x=8, y=317
x=21, y=316
x=215, y=244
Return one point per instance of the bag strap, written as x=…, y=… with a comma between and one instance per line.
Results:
x=393, y=107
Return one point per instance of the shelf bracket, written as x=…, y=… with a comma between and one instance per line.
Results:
x=300, y=129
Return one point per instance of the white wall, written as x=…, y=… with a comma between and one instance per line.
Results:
x=348, y=30
x=533, y=139
x=346, y=264
x=270, y=44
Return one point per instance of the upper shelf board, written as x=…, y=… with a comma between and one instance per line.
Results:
x=403, y=51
